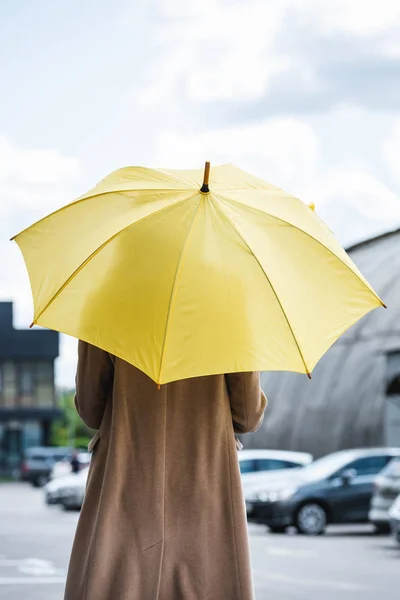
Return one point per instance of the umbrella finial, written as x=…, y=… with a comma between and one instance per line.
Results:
x=204, y=188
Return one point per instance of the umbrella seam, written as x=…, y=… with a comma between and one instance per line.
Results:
x=228, y=200
x=237, y=230
x=91, y=197
x=168, y=173
x=178, y=272
x=99, y=249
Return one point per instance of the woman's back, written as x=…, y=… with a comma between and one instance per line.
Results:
x=163, y=516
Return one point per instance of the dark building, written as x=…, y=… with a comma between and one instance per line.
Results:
x=27, y=388
x=353, y=399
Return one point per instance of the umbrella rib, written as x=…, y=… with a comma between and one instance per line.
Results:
x=99, y=249
x=79, y=200
x=237, y=230
x=229, y=200
x=178, y=272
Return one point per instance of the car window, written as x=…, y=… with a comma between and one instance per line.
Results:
x=247, y=466
x=269, y=464
x=37, y=457
x=393, y=469
x=369, y=465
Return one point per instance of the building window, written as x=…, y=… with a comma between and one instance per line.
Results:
x=44, y=371
x=32, y=434
x=392, y=403
x=27, y=384
x=393, y=389
x=27, y=379
x=9, y=385
x=44, y=384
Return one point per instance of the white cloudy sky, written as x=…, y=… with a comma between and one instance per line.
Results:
x=305, y=93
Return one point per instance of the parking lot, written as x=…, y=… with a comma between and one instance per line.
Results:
x=348, y=563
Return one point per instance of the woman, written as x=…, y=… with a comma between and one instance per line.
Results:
x=163, y=517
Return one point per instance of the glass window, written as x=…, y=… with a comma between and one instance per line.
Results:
x=44, y=394
x=393, y=469
x=32, y=434
x=369, y=465
x=9, y=384
x=1, y=384
x=247, y=466
x=268, y=464
x=44, y=372
x=27, y=382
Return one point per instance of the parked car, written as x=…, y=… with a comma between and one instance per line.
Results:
x=39, y=461
x=255, y=461
x=386, y=490
x=63, y=467
x=394, y=516
x=333, y=489
x=67, y=491
x=259, y=466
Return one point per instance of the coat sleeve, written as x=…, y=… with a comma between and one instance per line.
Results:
x=94, y=380
x=247, y=401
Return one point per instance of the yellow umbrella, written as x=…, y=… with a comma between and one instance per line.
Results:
x=183, y=279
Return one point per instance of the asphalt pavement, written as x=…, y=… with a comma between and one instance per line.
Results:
x=347, y=563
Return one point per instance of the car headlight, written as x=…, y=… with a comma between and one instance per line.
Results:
x=272, y=495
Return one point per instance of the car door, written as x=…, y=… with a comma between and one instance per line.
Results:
x=350, y=499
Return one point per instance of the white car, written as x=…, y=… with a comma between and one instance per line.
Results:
x=67, y=491
x=63, y=467
x=254, y=461
x=394, y=516
x=257, y=466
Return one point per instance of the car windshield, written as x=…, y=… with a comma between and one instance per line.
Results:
x=326, y=466
x=393, y=469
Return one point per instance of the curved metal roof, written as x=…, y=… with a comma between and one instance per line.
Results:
x=342, y=406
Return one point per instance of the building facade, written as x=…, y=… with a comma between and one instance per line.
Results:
x=27, y=388
x=353, y=399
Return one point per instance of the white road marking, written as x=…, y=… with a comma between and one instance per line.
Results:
x=32, y=580
x=281, y=551
x=37, y=567
x=344, y=586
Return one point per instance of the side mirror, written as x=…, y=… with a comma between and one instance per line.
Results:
x=348, y=476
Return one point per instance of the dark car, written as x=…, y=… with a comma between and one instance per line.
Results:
x=333, y=489
x=39, y=462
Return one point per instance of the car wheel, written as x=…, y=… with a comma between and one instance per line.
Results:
x=311, y=519
x=382, y=528
x=397, y=536
x=277, y=529
x=41, y=481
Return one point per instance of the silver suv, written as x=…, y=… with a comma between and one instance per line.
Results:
x=386, y=490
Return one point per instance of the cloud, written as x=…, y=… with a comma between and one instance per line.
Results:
x=283, y=151
x=245, y=61
x=261, y=84
x=287, y=152
x=33, y=182
x=355, y=204
x=391, y=150
x=361, y=18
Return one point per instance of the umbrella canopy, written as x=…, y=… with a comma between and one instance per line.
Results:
x=185, y=275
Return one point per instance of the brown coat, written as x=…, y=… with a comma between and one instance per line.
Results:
x=163, y=517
